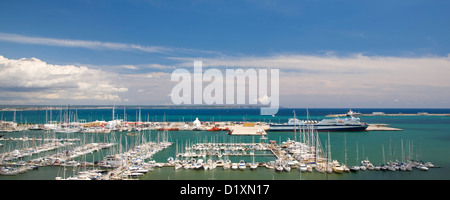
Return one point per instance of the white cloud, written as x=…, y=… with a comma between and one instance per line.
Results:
x=263, y=100
x=432, y=71
x=30, y=79
x=132, y=67
x=158, y=66
x=157, y=74
x=89, y=44
x=305, y=80
x=81, y=43
x=313, y=80
x=148, y=88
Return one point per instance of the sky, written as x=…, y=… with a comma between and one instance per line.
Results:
x=339, y=54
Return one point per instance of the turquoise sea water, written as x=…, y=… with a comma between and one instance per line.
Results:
x=424, y=138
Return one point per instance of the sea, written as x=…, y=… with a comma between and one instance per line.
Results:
x=423, y=138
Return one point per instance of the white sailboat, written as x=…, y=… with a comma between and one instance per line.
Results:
x=344, y=166
x=178, y=166
x=227, y=164
x=287, y=168
x=253, y=165
x=302, y=167
x=279, y=167
x=422, y=167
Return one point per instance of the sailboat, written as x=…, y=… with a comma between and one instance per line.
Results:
x=254, y=166
x=422, y=167
x=302, y=167
x=328, y=166
x=320, y=168
x=177, y=162
x=65, y=124
x=279, y=167
x=227, y=164
x=346, y=169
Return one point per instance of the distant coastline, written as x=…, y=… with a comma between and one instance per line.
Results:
x=59, y=107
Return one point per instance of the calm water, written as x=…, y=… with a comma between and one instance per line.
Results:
x=424, y=138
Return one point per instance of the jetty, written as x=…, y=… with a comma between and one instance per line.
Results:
x=381, y=127
x=305, y=154
x=132, y=164
x=248, y=129
x=391, y=114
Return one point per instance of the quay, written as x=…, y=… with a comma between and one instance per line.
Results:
x=248, y=129
x=230, y=127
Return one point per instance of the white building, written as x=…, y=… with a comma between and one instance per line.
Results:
x=197, y=122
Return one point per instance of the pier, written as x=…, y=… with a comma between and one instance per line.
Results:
x=132, y=163
x=248, y=129
x=381, y=127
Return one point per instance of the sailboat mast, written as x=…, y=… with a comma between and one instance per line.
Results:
x=329, y=148
x=124, y=114
x=357, y=152
x=403, y=156
x=68, y=114
x=345, y=148
x=139, y=115
x=114, y=105
x=307, y=114
x=295, y=129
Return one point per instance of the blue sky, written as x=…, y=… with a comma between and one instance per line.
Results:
x=135, y=42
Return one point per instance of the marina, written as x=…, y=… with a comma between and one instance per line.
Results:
x=306, y=156
x=224, y=99
x=170, y=149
